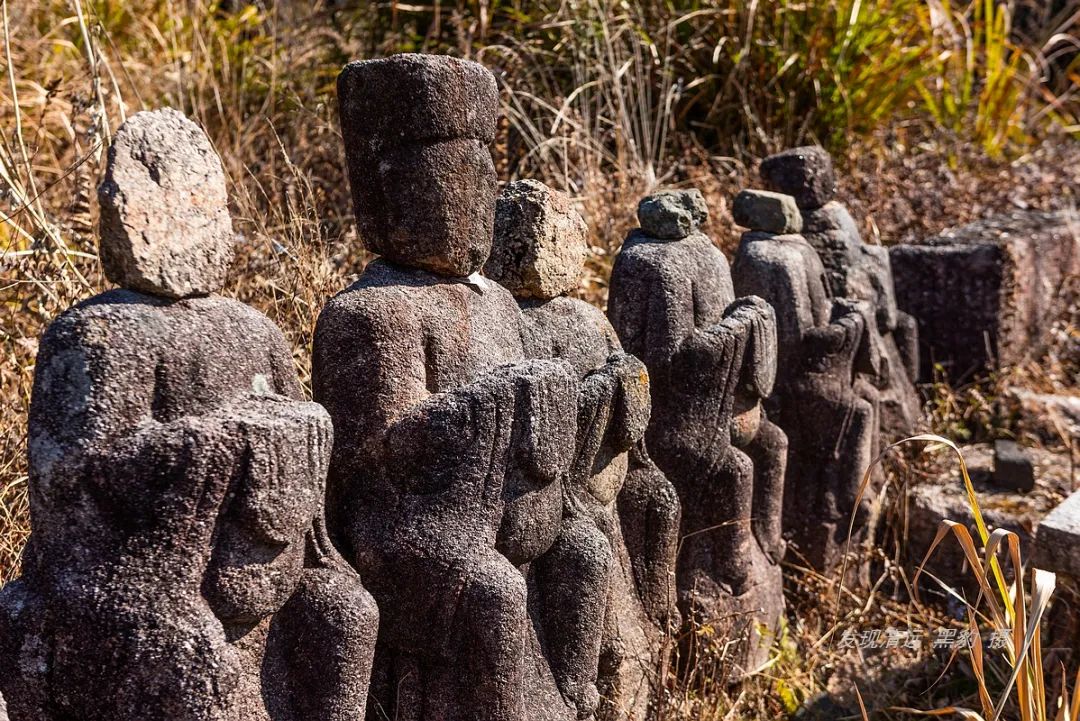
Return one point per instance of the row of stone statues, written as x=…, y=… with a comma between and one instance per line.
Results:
x=502, y=504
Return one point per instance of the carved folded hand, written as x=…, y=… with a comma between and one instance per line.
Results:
x=613, y=411
x=456, y=438
x=836, y=342
x=759, y=362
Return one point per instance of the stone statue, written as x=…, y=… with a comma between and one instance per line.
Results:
x=854, y=269
x=538, y=254
x=452, y=449
x=178, y=566
x=711, y=360
x=821, y=344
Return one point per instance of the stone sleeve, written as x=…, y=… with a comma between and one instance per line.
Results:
x=613, y=411
x=704, y=374
x=759, y=367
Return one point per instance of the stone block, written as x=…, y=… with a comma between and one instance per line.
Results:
x=985, y=295
x=943, y=496
x=766, y=211
x=416, y=130
x=1013, y=467
x=165, y=225
x=672, y=214
x=1058, y=546
x=540, y=242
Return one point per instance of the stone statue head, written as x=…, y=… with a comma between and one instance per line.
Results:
x=416, y=130
x=672, y=214
x=540, y=242
x=805, y=173
x=165, y=225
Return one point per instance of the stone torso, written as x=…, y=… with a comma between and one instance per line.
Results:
x=692, y=277
x=785, y=271
x=394, y=338
x=124, y=361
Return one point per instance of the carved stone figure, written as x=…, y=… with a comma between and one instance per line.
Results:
x=822, y=343
x=539, y=253
x=854, y=269
x=452, y=449
x=178, y=566
x=711, y=361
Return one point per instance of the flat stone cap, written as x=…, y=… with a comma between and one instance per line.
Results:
x=672, y=214
x=1057, y=540
x=804, y=173
x=767, y=212
x=165, y=225
x=540, y=241
x=417, y=98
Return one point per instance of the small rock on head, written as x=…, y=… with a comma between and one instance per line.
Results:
x=540, y=241
x=416, y=130
x=763, y=210
x=672, y=214
x=165, y=225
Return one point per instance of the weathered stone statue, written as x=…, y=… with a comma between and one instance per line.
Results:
x=711, y=360
x=821, y=344
x=452, y=450
x=854, y=269
x=179, y=566
x=538, y=254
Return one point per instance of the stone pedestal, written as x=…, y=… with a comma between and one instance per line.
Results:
x=986, y=294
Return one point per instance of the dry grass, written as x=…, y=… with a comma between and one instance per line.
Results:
x=606, y=101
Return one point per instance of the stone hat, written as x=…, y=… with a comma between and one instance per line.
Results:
x=805, y=173
x=672, y=214
x=416, y=98
x=416, y=130
x=540, y=241
x=165, y=225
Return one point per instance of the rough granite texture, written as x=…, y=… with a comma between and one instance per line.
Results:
x=767, y=211
x=831, y=425
x=711, y=360
x=540, y=242
x=856, y=270
x=452, y=450
x=613, y=412
x=986, y=295
x=672, y=214
x=804, y=173
x=165, y=225
x=416, y=130
x=178, y=565
x=1057, y=549
x=1057, y=546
